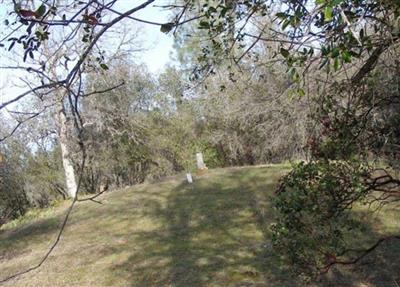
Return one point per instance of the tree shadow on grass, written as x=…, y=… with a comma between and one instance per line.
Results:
x=216, y=233
x=13, y=242
x=381, y=267
x=212, y=233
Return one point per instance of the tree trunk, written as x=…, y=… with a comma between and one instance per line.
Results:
x=65, y=153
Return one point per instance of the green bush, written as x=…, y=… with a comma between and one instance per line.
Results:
x=314, y=201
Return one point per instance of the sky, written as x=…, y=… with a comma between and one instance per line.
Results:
x=157, y=44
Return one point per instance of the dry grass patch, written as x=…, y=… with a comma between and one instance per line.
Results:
x=214, y=232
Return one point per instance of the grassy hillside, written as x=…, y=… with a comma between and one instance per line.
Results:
x=212, y=233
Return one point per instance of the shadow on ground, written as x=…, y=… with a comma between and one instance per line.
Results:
x=216, y=233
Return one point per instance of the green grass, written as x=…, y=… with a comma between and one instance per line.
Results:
x=212, y=233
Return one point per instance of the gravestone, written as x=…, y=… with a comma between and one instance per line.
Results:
x=189, y=178
x=200, y=161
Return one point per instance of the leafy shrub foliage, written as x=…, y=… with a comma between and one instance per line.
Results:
x=13, y=200
x=314, y=201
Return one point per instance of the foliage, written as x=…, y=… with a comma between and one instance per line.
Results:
x=252, y=120
x=333, y=33
x=213, y=232
x=314, y=202
x=356, y=126
x=147, y=131
x=13, y=201
x=44, y=180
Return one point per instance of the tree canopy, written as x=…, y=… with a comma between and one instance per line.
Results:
x=324, y=73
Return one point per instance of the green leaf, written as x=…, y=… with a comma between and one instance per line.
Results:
x=301, y=92
x=40, y=11
x=285, y=24
x=212, y=9
x=335, y=52
x=346, y=56
x=336, y=64
x=336, y=2
x=285, y=53
x=296, y=21
x=319, y=2
x=204, y=25
x=362, y=34
x=11, y=46
x=223, y=11
x=167, y=27
x=328, y=13
x=104, y=66
x=324, y=62
x=325, y=50
x=281, y=15
x=294, y=74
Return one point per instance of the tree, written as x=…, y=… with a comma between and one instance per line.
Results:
x=13, y=201
x=252, y=119
x=353, y=118
x=306, y=36
x=64, y=127
x=117, y=126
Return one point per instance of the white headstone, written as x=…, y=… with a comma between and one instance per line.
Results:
x=189, y=178
x=200, y=161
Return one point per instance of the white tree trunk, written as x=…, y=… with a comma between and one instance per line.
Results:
x=200, y=161
x=66, y=159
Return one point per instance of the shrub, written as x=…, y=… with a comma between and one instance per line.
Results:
x=314, y=201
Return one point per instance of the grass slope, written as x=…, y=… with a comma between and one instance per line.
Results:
x=212, y=233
